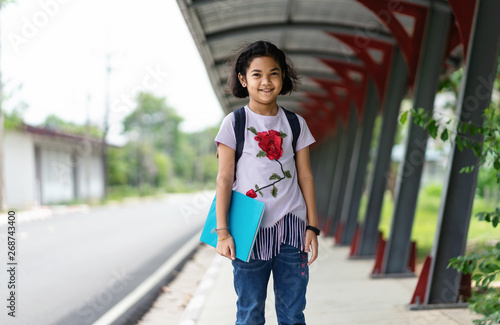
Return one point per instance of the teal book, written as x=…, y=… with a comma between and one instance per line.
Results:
x=244, y=218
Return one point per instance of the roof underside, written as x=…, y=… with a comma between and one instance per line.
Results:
x=307, y=31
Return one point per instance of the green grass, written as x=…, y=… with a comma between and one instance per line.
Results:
x=481, y=234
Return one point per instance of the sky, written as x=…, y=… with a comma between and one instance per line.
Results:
x=53, y=58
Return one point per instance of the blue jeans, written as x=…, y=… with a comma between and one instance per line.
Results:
x=290, y=277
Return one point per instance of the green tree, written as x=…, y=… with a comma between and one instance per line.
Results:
x=14, y=119
x=54, y=122
x=184, y=160
x=155, y=122
x=154, y=141
x=205, y=165
x=159, y=155
x=119, y=167
x=163, y=164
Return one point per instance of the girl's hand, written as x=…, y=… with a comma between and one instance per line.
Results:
x=225, y=245
x=311, y=245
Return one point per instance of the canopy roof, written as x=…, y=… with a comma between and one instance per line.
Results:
x=336, y=45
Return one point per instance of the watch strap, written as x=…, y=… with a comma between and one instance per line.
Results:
x=313, y=229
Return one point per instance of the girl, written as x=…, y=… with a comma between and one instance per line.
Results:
x=268, y=171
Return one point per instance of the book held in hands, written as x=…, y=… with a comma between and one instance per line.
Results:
x=243, y=219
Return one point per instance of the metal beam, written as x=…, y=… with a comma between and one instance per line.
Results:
x=342, y=169
x=298, y=95
x=322, y=166
x=321, y=54
x=198, y=3
x=327, y=74
x=289, y=98
x=458, y=193
x=315, y=160
x=327, y=174
x=329, y=227
x=357, y=170
x=239, y=31
x=408, y=179
x=303, y=73
x=334, y=159
x=377, y=186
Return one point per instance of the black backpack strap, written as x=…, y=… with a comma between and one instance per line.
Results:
x=239, y=132
x=293, y=120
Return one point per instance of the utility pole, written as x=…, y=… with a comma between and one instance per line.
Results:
x=2, y=188
x=104, y=148
x=87, y=158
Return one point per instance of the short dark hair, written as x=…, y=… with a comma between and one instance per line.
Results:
x=241, y=61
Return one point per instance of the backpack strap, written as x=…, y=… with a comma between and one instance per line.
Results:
x=239, y=132
x=293, y=120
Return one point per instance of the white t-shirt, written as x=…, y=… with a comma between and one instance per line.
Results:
x=267, y=164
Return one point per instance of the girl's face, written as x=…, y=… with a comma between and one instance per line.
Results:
x=263, y=81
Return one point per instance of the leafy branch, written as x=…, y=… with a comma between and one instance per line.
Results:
x=486, y=300
x=484, y=141
x=493, y=217
x=278, y=178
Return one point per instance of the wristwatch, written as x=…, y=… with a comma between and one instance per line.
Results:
x=314, y=229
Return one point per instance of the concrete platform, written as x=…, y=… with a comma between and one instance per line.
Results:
x=340, y=292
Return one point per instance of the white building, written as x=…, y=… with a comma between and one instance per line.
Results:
x=43, y=166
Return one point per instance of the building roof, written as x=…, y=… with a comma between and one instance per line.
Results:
x=51, y=133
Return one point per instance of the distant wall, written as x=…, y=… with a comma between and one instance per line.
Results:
x=90, y=177
x=19, y=170
x=57, y=174
x=44, y=170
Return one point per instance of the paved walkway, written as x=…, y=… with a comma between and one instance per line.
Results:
x=340, y=292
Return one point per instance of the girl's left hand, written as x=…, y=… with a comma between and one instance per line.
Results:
x=311, y=246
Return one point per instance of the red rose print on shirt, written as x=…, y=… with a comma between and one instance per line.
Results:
x=270, y=143
x=252, y=194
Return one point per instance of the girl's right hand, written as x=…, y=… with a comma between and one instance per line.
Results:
x=225, y=246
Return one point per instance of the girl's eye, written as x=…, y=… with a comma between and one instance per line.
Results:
x=255, y=75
